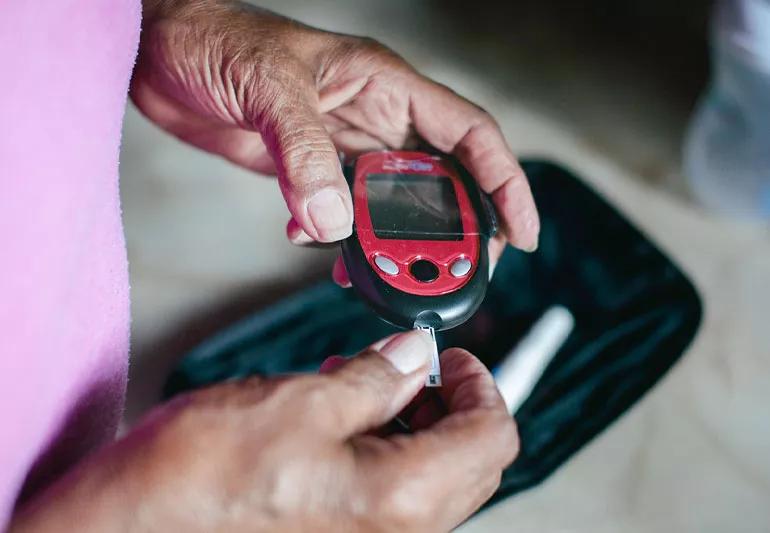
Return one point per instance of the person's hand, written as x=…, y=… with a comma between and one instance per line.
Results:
x=270, y=94
x=304, y=453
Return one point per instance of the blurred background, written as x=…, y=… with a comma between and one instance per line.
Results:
x=605, y=88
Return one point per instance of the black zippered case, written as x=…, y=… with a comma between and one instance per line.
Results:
x=635, y=314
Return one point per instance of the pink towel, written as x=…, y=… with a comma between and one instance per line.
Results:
x=64, y=313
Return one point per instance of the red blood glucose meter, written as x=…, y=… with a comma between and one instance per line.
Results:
x=418, y=252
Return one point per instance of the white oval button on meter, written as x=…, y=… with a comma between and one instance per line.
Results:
x=386, y=265
x=460, y=267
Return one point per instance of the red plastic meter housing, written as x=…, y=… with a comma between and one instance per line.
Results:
x=418, y=252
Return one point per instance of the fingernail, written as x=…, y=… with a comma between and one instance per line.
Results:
x=342, y=282
x=533, y=247
x=301, y=238
x=340, y=274
x=330, y=215
x=331, y=363
x=297, y=235
x=408, y=351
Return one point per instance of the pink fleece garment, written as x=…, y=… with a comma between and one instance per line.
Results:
x=65, y=66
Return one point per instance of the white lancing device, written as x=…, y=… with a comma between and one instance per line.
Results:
x=524, y=365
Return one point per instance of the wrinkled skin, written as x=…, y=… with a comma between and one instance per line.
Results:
x=306, y=453
x=273, y=95
x=309, y=453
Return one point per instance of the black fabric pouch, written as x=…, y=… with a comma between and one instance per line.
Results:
x=635, y=314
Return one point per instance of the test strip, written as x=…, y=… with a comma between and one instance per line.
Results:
x=434, y=376
x=524, y=365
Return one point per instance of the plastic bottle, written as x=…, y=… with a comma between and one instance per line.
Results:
x=727, y=150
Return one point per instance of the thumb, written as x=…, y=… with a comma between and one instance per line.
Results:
x=373, y=387
x=309, y=170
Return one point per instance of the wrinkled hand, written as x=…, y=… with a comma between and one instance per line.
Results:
x=273, y=95
x=305, y=453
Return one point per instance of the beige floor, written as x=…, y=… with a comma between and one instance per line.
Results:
x=206, y=245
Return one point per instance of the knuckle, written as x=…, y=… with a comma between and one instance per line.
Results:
x=305, y=151
x=302, y=143
x=486, y=122
x=499, y=434
x=371, y=50
x=373, y=46
x=401, y=503
x=367, y=384
x=483, y=131
x=288, y=74
x=319, y=407
x=369, y=371
x=296, y=396
x=376, y=364
x=273, y=85
x=313, y=394
x=508, y=437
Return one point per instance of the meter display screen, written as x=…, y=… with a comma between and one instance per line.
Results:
x=413, y=207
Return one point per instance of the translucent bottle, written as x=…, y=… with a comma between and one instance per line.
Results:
x=727, y=150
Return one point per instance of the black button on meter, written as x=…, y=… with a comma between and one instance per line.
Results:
x=423, y=270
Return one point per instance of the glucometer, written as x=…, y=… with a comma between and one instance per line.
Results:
x=418, y=252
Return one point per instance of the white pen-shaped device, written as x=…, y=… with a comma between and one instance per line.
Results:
x=522, y=368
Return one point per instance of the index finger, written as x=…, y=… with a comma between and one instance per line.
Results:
x=477, y=420
x=459, y=460
x=454, y=125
